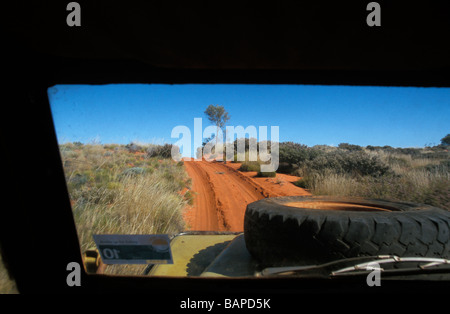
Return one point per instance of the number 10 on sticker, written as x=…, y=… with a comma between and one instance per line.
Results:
x=111, y=253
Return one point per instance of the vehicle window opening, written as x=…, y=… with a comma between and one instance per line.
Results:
x=242, y=177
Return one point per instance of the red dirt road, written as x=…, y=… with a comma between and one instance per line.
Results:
x=221, y=194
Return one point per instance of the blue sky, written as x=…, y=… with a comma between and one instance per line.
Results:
x=307, y=114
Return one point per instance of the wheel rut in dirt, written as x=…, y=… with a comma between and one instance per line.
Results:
x=222, y=193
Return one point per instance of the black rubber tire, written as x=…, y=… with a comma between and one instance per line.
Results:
x=276, y=234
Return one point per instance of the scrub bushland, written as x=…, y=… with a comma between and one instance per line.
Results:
x=117, y=189
x=420, y=175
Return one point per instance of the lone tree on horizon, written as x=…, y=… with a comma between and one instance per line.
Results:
x=217, y=115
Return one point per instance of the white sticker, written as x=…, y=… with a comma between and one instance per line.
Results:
x=134, y=249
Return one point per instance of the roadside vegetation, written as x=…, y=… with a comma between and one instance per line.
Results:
x=124, y=189
x=420, y=175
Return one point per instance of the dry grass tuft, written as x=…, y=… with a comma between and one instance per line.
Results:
x=114, y=190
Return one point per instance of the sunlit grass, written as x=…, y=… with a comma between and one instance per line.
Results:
x=116, y=191
x=421, y=180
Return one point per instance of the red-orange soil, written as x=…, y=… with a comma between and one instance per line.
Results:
x=221, y=194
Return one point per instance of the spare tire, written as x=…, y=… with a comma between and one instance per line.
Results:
x=300, y=230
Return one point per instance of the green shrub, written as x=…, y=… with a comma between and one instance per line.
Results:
x=270, y=174
x=350, y=147
x=354, y=163
x=292, y=152
x=445, y=141
x=294, y=155
x=162, y=151
x=302, y=183
x=250, y=166
x=189, y=197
